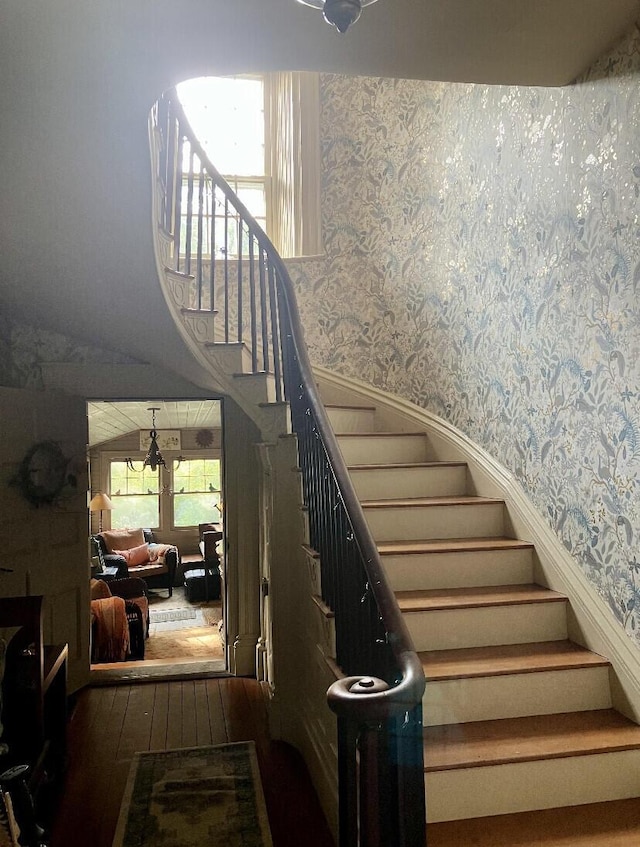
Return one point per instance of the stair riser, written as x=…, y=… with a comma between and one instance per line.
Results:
x=379, y=483
x=515, y=695
x=352, y=420
x=459, y=570
x=485, y=626
x=543, y=784
x=257, y=388
x=280, y=418
x=384, y=450
x=415, y=523
x=233, y=358
x=200, y=325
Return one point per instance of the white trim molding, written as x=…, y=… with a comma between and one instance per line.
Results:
x=591, y=623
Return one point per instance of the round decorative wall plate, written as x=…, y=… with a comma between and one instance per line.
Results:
x=204, y=438
x=42, y=473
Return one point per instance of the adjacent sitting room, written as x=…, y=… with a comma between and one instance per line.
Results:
x=147, y=602
x=157, y=517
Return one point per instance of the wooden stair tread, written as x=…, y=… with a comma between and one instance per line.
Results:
x=198, y=312
x=350, y=408
x=610, y=824
x=450, y=500
x=381, y=434
x=507, y=659
x=450, y=545
x=418, y=600
x=406, y=466
x=510, y=740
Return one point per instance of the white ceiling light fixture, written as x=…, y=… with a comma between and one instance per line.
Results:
x=339, y=13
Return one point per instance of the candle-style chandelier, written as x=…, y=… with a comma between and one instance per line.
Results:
x=339, y=13
x=154, y=457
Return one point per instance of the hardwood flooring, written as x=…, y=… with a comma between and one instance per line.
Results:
x=109, y=724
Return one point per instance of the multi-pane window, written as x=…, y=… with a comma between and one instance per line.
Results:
x=135, y=494
x=196, y=491
x=227, y=117
x=184, y=494
x=262, y=133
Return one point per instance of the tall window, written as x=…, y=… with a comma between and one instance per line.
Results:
x=135, y=495
x=262, y=134
x=227, y=117
x=196, y=491
x=184, y=494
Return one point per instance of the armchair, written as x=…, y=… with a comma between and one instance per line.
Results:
x=119, y=619
x=135, y=552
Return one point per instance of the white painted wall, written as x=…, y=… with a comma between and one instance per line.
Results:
x=46, y=547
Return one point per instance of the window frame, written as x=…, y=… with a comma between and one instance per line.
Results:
x=165, y=479
x=299, y=204
x=235, y=180
x=114, y=497
x=181, y=528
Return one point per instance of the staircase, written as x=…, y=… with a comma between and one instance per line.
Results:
x=234, y=304
x=520, y=739
x=521, y=743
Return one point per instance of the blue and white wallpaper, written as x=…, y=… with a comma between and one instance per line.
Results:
x=483, y=260
x=24, y=349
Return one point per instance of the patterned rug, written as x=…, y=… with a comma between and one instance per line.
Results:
x=174, y=636
x=158, y=616
x=175, y=620
x=194, y=797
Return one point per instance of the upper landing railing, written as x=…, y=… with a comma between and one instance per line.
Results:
x=235, y=272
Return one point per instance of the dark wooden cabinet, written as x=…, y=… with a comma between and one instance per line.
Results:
x=34, y=692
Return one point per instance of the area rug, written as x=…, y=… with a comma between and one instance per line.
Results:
x=171, y=615
x=194, y=797
x=195, y=642
x=175, y=620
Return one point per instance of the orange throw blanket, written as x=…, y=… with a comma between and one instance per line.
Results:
x=111, y=634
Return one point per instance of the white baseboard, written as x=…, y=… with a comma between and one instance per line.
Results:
x=591, y=622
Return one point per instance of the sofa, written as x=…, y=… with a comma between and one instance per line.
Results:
x=136, y=553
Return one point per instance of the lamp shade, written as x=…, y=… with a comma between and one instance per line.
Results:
x=100, y=503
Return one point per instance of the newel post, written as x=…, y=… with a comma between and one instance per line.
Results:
x=380, y=767
x=362, y=767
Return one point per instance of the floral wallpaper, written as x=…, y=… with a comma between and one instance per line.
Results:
x=24, y=348
x=482, y=260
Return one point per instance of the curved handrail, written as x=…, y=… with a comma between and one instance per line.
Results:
x=361, y=700
x=411, y=687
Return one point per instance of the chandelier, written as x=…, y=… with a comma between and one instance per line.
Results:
x=154, y=457
x=339, y=13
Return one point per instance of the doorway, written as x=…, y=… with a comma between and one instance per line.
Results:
x=173, y=498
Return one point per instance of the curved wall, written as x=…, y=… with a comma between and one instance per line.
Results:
x=482, y=261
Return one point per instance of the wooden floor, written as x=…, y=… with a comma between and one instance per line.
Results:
x=110, y=723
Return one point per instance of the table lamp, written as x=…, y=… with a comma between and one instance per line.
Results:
x=100, y=503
